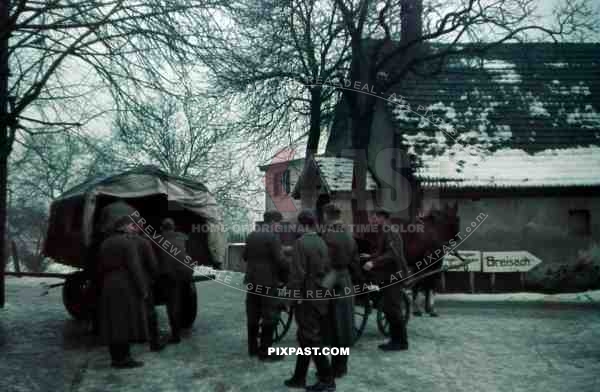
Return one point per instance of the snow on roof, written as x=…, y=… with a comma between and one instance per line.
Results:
x=502, y=71
x=336, y=173
x=467, y=167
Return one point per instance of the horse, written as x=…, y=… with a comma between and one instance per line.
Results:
x=425, y=250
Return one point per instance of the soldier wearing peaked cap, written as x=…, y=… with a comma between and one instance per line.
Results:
x=266, y=272
x=390, y=259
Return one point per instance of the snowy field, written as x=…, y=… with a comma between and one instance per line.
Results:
x=516, y=342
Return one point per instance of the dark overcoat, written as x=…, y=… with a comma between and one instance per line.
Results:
x=174, y=261
x=343, y=254
x=266, y=271
x=310, y=265
x=124, y=285
x=148, y=257
x=265, y=264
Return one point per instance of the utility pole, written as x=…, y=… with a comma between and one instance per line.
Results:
x=5, y=123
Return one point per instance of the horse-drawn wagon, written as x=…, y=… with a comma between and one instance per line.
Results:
x=75, y=228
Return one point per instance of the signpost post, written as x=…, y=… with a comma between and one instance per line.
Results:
x=471, y=264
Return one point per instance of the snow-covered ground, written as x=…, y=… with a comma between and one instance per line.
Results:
x=584, y=297
x=476, y=346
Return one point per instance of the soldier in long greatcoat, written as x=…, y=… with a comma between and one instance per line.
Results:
x=391, y=262
x=310, y=266
x=149, y=260
x=124, y=288
x=176, y=274
x=266, y=272
x=345, y=262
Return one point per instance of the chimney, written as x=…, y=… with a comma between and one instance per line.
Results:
x=411, y=22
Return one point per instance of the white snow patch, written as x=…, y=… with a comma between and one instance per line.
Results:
x=402, y=112
x=556, y=65
x=588, y=119
x=450, y=113
x=537, y=109
x=502, y=71
x=514, y=167
x=503, y=132
x=580, y=89
x=56, y=268
x=587, y=296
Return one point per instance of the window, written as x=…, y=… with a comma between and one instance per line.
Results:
x=281, y=182
x=579, y=222
x=285, y=179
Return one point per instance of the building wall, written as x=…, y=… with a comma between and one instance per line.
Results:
x=539, y=225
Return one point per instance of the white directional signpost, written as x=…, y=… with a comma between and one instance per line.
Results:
x=514, y=261
x=490, y=262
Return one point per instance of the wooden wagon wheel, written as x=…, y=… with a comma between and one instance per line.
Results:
x=362, y=310
x=78, y=296
x=382, y=323
x=284, y=323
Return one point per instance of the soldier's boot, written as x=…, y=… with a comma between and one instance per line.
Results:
x=416, y=304
x=266, y=341
x=121, y=357
x=156, y=342
x=298, y=380
x=252, y=340
x=339, y=364
x=326, y=381
x=430, y=302
x=399, y=338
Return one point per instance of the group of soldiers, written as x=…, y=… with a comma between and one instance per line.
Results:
x=324, y=257
x=129, y=270
x=323, y=260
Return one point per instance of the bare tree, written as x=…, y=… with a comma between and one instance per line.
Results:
x=41, y=168
x=189, y=136
x=277, y=55
x=69, y=54
x=487, y=23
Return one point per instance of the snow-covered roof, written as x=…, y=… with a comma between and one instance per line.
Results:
x=336, y=175
x=515, y=168
x=519, y=105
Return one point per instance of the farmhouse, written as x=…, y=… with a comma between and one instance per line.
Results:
x=513, y=134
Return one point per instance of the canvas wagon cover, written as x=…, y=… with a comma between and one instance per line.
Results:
x=72, y=214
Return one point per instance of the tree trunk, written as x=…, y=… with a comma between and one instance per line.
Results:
x=309, y=192
x=4, y=139
x=360, y=142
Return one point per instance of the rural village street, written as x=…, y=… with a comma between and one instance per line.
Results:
x=474, y=346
